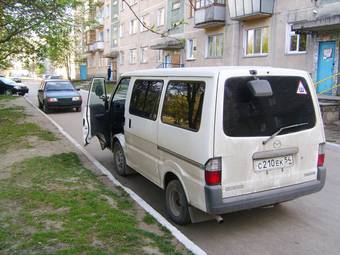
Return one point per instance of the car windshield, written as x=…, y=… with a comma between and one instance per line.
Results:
x=7, y=81
x=59, y=85
x=246, y=115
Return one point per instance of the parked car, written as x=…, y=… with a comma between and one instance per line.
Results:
x=10, y=87
x=58, y=94
x=218, y=139
x=16, y=79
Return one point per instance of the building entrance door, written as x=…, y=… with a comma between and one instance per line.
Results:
x=326, y=62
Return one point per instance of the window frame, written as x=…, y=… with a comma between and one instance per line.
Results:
x=159, y=99
x=130, y=56
x=160, y=17
x=143, y=57
x=207, y=46
x=193, y=49
x=133, y=27
x=163, y=104
x=289, y=35
x=245, y=42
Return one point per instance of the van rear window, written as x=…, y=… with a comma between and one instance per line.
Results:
x=245, y=115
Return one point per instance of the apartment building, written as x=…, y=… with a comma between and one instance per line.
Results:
x=302, y=34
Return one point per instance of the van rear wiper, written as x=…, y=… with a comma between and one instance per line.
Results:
x=281, y=129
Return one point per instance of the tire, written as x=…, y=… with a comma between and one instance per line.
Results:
x=119, y=159
x=78, y=109
x=40, y=105
x=176, y=203
x=8, y=92
x=45, y=108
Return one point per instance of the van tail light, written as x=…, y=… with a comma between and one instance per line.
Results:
x=213, y=169
x=321, y=155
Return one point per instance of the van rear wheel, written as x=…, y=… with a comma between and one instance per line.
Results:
x=176, y=203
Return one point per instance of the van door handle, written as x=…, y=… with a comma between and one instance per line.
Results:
x=129, y=123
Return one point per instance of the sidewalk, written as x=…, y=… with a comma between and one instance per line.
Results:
x=332, y=132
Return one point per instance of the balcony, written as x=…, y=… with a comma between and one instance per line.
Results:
x=250, y=9
x=98, y=46
x=210, y=14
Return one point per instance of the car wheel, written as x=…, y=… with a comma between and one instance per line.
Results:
x=78, y=109
x=176, y=203
x=119, y=159
x=8, y=92
x=40, y=105
x=45, y=108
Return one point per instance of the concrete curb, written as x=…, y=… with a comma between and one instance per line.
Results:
x=195, y=249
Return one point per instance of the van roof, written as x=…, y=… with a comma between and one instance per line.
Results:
x=206, y=71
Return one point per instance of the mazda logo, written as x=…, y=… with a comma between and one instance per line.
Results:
x=276, y=144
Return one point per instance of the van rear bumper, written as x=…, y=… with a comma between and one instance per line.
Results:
x=217, y=205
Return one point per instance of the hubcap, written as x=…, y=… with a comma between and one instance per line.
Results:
x=175, y=203
x=119, y=160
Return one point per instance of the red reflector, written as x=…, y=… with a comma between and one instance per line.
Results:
x=213, y=177
x=321, y=159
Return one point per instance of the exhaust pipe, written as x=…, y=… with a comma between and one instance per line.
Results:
x=219, y=219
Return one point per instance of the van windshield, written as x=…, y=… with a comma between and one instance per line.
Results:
x=245, y=115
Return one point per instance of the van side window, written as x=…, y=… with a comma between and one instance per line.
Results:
x=145, y=98
x=183, y=104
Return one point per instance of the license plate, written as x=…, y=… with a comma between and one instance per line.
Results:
x=273, y=163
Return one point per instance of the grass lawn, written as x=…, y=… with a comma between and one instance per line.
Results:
x=14, y=128
x=54, y=205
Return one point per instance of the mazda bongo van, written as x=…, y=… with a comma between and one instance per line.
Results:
x=217, y=139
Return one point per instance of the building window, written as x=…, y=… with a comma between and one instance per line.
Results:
x=146, y=21
x=133, y=26
x=176, y=5
x=160, y=17
x=145, y=98
x=257, y=41
x=183, y=104
x=191, y=9
x=191, y=49
x=133, y=56
x=296, y=43
x=143, y=54
x=107, y=34
x=205, y=3
x=121, y=30
x=160, y=56
x=121, y=57
x=122, y=5
x=101, y=36
x=215, y=46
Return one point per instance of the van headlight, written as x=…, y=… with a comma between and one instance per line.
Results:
x=52, y=99
x=76, y=98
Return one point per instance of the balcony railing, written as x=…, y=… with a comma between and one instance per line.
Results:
x=98, y=46
x=248, y=9
x=210, y=14
x=170, y=65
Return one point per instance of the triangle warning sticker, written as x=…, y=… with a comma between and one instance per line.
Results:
x=301, y=89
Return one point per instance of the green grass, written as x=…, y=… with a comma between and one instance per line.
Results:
x=15, y=130
x=148, y=219
x=54, y=205
x=4, y=98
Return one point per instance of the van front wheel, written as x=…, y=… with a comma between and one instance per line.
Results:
x=119, y=159
x=176, y=203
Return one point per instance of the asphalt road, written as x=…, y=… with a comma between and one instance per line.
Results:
x=308, y=225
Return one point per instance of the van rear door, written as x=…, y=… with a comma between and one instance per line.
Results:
x=268, y=141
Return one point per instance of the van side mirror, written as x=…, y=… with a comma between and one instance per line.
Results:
x=260, y=88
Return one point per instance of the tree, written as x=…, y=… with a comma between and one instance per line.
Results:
x=25, y=25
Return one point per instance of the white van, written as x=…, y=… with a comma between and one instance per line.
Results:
x=217, y=139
